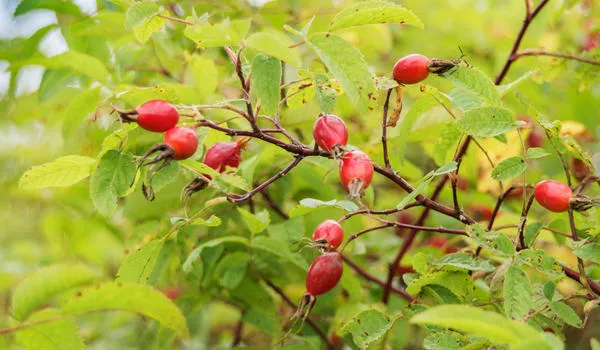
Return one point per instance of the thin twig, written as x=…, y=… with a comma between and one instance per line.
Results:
x=522, y=222
x=386, y=106
x=376, y=280
x=283, y=172
x=529, y=16
x=535, y=52
x=360, y=233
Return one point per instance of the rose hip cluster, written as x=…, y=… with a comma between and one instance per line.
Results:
x=356, y=168
x=179, y=142
x=356, y=172
x=326, y=270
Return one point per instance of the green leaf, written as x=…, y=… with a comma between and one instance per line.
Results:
x=227, y=32
x=463, y=261
x=234, y=180
x=588, y=252
x=444, y=340
x=464, y=100
x=291, y=230
x=80, y=63
x=367, y=327
x=165, y=176
x=308, y=205
x=256, y=223
x=231, y=270
x=59, y=334
x=549, y=290
x=374, y=12
x=62, y=172
x=205, y=75
x=36, y=289
x=446, y=143
x=265, y=80
x=201, y=260
x=495, y=241
x=420, y=262
x=509, y=168
x=517, y=293
x=445, y=169
x=139, y=13
x=139, y=264
x=19, y=49
x=212, y=221
x=261, y=319
x=110, y=180
x=531, y=232
x=469, y=319
x=143, y=19
x=138, y=298
x=566, y=313
x=347, y=65
x=417, y=109
x=324, y=93
x=144, y=32
x=473, y=81
x=276, y=44
x=595, y=345
x=487, y=121
x=541, y=261
x=59, y=6
x=535, y=153
x=459, y=282
x=82, y=106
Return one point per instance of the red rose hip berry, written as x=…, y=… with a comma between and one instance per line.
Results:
x=330, y=233
x=224, y=154
x=553, y=195
x=411, y=69
x=324, y=273
x=356, y=172
x=330, y=132
x=157, y=116
x=183, y=141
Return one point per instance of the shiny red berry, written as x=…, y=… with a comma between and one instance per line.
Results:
x=553, y=195
x=157, y=116
x=330, y=131
x=331, y=232
x=183, y=141
x=411, y=69
x=324, y=273
x=222, y=155
x=356, y=172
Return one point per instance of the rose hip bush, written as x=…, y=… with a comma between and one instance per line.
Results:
x=304, y=175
